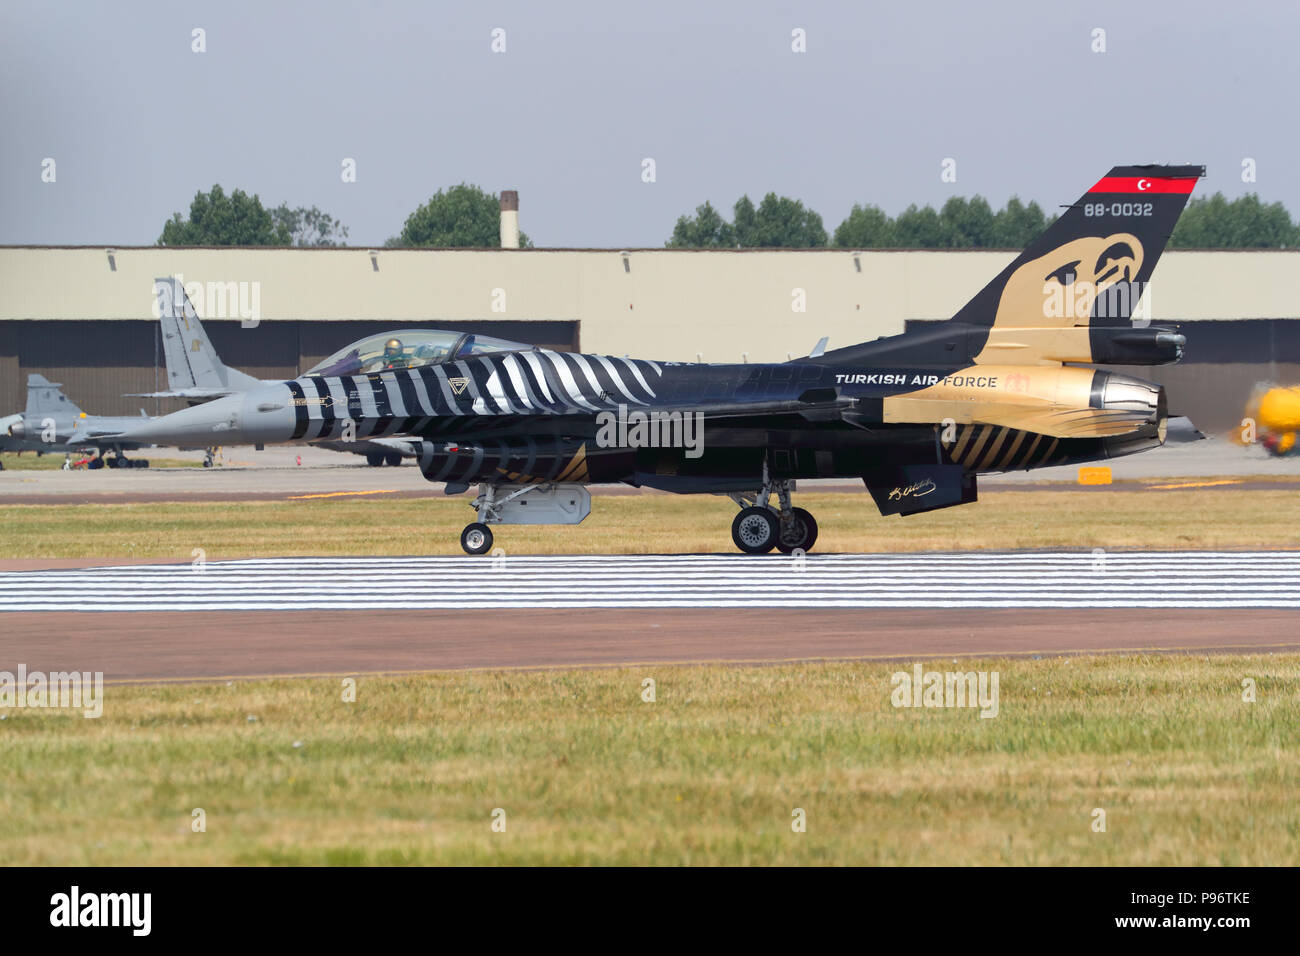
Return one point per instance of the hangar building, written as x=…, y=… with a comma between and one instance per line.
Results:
x=83, y=316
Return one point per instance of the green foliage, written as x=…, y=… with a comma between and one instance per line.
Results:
x=1017, y=225
x=1214, y=222
x=867, y=227
x=919, y=228
x=706, y=230
x=309, y=227
x=777, y=222
x=960, y=224
x=463, y=217
x=220, y=220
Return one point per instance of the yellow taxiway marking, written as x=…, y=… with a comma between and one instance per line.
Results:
x=732, y=661
x=340, y=494
x=1198, y=484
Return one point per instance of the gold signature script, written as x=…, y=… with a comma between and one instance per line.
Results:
x=918, y=490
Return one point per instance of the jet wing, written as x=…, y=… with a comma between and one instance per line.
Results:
x=196, y=394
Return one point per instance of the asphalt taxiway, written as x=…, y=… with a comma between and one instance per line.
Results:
x=304, y=616
x=143, y=621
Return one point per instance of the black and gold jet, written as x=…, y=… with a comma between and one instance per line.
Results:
x=916, y=416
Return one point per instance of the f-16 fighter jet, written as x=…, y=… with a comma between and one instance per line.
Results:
x=917, y=416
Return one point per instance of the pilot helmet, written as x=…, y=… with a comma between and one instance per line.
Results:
x=392, y=348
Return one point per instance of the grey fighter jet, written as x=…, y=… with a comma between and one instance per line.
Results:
x=53, y=424
x=196, y=373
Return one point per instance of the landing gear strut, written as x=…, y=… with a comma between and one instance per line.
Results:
x=760, y=527
x=540, y=503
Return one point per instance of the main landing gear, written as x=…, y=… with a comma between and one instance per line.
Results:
x=759, y=527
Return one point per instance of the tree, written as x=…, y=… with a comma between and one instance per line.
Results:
x=960, y=224
x=918, y=228
x=705, y=230
x=778, y=222
x=967, y=223
x=463, y=216
x=867, y=227
x=1017, y=225
x=1214, y=222
x=744, y=222
x=220, y=220
x=309, y=227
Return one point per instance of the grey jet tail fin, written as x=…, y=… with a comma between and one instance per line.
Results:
x=192, y=362
x=44, y=397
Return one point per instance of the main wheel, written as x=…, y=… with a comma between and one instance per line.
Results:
x=373, y=459
x=799, y=532
x=755, y=530
x=393, y=459
x=476, y=538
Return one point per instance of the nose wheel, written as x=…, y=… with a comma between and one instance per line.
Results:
x=476, y=538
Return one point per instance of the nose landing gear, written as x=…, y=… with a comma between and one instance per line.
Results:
x=760, y=528
x=540, y=503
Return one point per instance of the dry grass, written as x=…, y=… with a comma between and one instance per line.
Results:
x=1184, y=518
x=709, y=773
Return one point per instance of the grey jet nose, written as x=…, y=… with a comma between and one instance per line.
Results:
x=199, y=425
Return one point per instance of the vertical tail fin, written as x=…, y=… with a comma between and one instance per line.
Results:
x=192, y=362
x=191, y=359
x=1092, y=265
x=44, y=397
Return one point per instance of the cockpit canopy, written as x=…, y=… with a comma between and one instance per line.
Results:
x=409, y=348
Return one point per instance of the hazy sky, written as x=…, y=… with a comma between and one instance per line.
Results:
x=137, y=123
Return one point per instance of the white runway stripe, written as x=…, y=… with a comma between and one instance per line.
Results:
x=1190, y=579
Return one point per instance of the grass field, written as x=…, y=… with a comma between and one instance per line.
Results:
x=1178, y=518
x=709, y=773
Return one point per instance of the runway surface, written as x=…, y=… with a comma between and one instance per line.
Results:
x=1181, y=579
x=348, y=616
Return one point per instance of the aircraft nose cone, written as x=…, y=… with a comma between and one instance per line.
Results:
x=204, y=424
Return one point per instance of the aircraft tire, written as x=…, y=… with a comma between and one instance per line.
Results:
x=801, y=534
x=374, y=460
x=755, y=530
x=393, y=459
x=476, y=538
